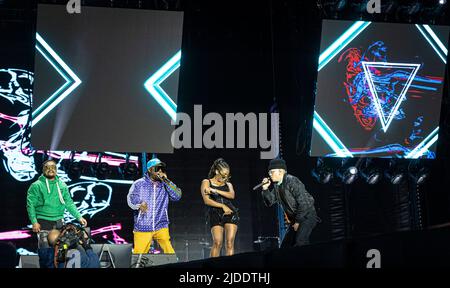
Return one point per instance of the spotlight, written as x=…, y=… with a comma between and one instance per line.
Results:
x=414, y=8
x=395, y=173
x=442, y=2
x=75, y=170
x=322, y=172
x=348, y=172
x=431, y=14
x=370, y=173
x=390, y=7
x=129, y=171
x=418, y=172
x=102, y=170
x=407, y=12
x=359, y=7
x=340, y=5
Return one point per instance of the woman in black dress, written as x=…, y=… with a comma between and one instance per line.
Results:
x=217, y=193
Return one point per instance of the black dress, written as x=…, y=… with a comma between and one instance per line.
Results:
x=215, y=215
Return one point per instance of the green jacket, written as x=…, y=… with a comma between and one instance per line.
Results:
x=49, y=205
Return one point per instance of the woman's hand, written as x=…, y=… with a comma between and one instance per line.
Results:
x=226, y=210
x=207, y=191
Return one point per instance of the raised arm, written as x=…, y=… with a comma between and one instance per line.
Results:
x=268, y=195
x=172, y=189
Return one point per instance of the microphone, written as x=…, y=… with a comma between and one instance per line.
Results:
x=162, y=178
x=260, y=185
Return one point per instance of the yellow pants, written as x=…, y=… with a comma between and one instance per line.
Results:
x=143, y=240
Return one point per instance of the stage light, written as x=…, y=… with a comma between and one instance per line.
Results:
x=390, y=7
x=101, y=170
x=370, y=172
x=75, y=170
x=322, y=172
x=414, y=8
x=128, y=170
x=340, y=5
x=348, y=172
x=418, y=172
x=442, y=2
x=396, y=172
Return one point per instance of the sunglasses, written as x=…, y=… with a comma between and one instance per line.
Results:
x=274, y=171
x=160, y=168
x=52, y=167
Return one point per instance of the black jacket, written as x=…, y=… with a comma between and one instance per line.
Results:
x=292, y=196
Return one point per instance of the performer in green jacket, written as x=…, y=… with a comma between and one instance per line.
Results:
x=47, y=199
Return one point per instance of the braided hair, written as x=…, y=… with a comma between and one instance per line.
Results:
x=219, y=164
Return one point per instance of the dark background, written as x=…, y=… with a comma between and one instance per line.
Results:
x=237, y=57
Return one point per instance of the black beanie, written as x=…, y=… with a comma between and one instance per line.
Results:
x=277, y=164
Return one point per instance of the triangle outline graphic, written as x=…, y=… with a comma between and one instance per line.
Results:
x=386, y=121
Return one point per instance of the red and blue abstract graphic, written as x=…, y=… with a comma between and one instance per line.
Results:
x=378, y=95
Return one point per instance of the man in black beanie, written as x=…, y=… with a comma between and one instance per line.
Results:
x=297, y=203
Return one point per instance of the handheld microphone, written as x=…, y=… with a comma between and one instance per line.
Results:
x=162, y=178
x=260, y=185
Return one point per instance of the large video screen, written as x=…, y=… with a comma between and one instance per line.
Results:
x=106, y=79
x=379, y=89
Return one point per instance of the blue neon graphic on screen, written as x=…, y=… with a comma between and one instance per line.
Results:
x=72, y=80
x=152, y=85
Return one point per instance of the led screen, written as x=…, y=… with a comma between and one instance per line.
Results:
x=106, y=79
x=379, y=89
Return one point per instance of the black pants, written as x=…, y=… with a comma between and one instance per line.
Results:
x=301, y=236
x=45, y=252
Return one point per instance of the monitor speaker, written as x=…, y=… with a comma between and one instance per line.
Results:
x=29, y=261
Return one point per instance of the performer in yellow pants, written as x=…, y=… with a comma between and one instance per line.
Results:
x=143, y=240
x=149, y=198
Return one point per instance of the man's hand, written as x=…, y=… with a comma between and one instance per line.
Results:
x=267, y=183
x=296, y=226
x=36, y=227
x=83, y=221
x=143, y=208
x=161, y=174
